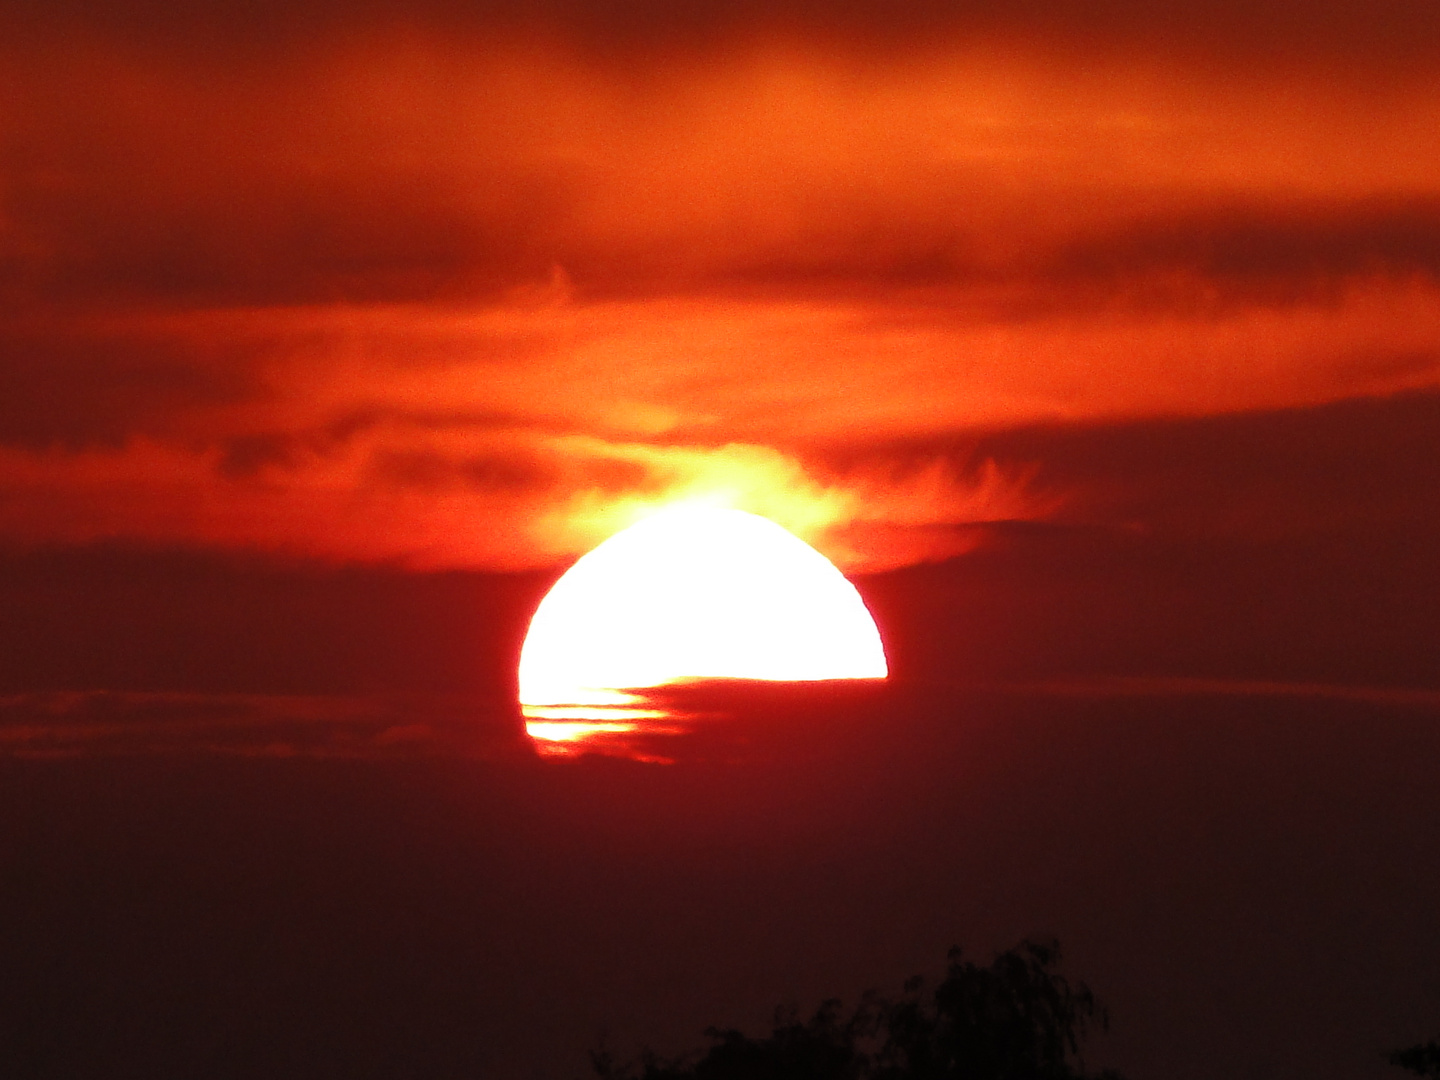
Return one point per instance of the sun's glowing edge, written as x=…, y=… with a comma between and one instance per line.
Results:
x=696, y=592
x=573, y=730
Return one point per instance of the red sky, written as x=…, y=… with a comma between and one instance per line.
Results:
x=466, y=288
x=330, y=330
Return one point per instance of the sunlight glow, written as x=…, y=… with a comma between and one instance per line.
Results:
x=696, y=592
x=572, y=731
x=569, y=713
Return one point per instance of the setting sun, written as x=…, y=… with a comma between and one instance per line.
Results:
x=696, y=592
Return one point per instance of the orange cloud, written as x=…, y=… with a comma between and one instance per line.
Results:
x=515, y=503
x=475, y=299
x=508, y=436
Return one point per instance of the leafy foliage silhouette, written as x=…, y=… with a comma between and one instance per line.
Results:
x=1016, y=1019
x=1422, y=1060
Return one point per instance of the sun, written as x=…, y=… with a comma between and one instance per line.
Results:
x=696, y=592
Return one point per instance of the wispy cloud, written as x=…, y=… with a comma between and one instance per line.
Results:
x=59, y=725
x=472, y=288
x=1164, y=687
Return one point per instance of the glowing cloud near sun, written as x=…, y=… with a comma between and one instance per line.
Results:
x=696, y=592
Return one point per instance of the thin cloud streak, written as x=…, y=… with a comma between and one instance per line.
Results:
x=41, y=726
x=109, y=723
x=1144, y=686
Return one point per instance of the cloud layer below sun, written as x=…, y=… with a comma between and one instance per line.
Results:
x=477, y=289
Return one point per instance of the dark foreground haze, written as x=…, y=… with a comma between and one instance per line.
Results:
x=1248, y=879
x=326, y=849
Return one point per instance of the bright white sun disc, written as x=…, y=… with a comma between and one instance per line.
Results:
x=696, y=592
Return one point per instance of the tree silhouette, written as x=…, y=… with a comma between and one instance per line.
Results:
x=1016, y=1019
x=1422, y=1060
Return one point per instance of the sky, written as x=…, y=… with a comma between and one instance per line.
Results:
x=470, y=287
x=1096, y=342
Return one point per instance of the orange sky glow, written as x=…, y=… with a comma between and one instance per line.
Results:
x=420, y=290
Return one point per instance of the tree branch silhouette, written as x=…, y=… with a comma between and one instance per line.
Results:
x=1015, y=1019
x=1422, y=1060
